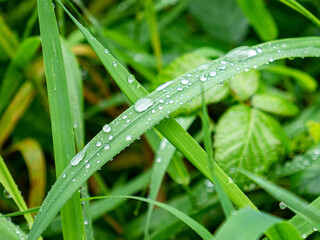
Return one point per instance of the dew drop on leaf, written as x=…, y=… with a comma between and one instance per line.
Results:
x=78, y=158
x=282, y=205
x=131, y=78
x=143, y=104
x=106, y=128
x=163, y=86
x=128, y=137
x=240, y=54
x=6, y=193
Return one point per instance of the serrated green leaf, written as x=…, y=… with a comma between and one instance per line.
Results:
x=274, y=104
x=244, y=138
x=245, y=84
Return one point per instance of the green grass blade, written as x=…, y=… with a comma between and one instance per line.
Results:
x=295, y=203
x=302, y=10
x=204, y=233
x=246, y=225
x=10, y=186
x=227, y=206
x=60, y=113
x=151, y=18
x=261, y=19
x=162, y=160
x=14, y=76
x=283, y=230
x=8, y=40
x=10, y=231
x=19, y=213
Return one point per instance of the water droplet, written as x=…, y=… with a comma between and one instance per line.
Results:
x=259, y=50
x=143, y=104
x=179, y=89
x=6, y=193
x=78, y=158
x=64, y=175
x=98, y=144
x=106, y=51
x=128, y=137
x=131, y=78
x=212, y=73
x=240, y=54
x=304, y=236
x=282, y=205
x=106, y=146
x=73, y=180
x=184, y=81
x=203, y=78
x=158, y=159
x=203, y=67
x=163, y=86
x=115, y=63
x=85, y=222
x=110, y=137
x=106, y=128
x=87, y=165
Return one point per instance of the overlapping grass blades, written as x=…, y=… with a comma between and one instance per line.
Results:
x=60, y=113
x=107, y=144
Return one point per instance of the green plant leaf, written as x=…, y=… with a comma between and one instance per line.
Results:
x=314, y=130
x=282, y=231
x=244, y=138
x=246, y=84
x=223, y=19
x=274, y=104
x=261, y=19
x=236, y=227
x=10, y=231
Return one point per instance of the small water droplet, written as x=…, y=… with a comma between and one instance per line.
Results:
x=106, y=51
x=73, y=180
x=115, y=63
x=110, y=137
x=106, y=128
x=98, y=144
x=304, y=236
x=106, y=146
x=6, y=193
x=128, y=137
x=163, y=86
x=85, y=222
x=64, y=175
x=203, y=78
x=212, y=73
x=87, y=165
x=282, y=205
x=158, y=159
x=143, y=104
x=131, y=78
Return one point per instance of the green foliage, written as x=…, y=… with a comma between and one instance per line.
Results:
x=124, y=81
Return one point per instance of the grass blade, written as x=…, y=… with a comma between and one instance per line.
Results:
x=8, y=40
x=10, y=231
x=183, y=217
x=36, y=164
x=302, y=10
x=258, y=222
x=162, y=160
x=10, y=186
x=298, y=205
x=60, y=113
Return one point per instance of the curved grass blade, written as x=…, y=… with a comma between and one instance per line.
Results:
x=169, y=128
x=60, y=113
x=162, y=159
x=10, y=186
x=10, y=231
x=136, y=120
x=36, y=164
x=246, y=225
x=19, y=213
x=302, y=10
x=295, y=203
x=283, y=230
x=204, y=233
x=8, y=40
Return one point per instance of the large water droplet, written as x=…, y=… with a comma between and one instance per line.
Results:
x=163, y=86
x=106, y=128
x=78, y=158
x=240, y=54
x=143, y=104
